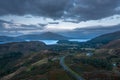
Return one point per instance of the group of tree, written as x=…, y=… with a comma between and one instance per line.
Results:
x=96, y=62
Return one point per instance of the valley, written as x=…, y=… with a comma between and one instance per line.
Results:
x=67, y=60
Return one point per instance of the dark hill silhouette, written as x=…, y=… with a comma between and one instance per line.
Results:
x=106, y=38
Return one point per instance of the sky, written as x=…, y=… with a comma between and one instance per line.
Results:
x=20, y=17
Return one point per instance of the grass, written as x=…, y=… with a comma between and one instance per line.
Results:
x=58, y=75
x=38, y=63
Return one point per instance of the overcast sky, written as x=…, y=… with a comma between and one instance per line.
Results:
x=34, y=16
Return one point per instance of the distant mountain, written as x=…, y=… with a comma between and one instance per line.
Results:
x=5, y=38
x=44, y=36
x=104, y=39
x=90, y=32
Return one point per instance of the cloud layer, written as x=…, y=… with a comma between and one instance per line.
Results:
x=78, y=9
x=78, y=16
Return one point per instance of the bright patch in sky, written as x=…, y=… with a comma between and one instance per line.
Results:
x=62, y=25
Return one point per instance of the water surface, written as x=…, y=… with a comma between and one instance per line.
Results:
x=50, y=42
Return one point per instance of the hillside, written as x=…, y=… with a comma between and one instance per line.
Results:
x=30, y=61
x=43, y=36
x=104, y=39
x=23, y=47
x=113, y=44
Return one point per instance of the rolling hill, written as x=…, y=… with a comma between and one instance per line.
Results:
x=29, y=61
x=23, y=47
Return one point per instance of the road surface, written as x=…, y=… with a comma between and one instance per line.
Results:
x=66, y=68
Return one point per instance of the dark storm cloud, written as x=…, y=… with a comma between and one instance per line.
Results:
x=72, y=21
x=95, y=9
x=1, y=24
x=2, y=21
x=99, y=28
x=50, y=8
x=32, y=27
x=14, y=27
x=43, y=25
x=79, y=9
x=53, y=22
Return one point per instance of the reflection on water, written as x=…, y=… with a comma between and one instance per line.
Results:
x=79, y=40
x=50, y=42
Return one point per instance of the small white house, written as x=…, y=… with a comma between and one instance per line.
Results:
x=89, y=54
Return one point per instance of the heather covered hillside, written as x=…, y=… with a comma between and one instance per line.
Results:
x=23, y=47
x=113, y=44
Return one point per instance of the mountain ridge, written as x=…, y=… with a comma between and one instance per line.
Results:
x=106, y=38
x=44, y=36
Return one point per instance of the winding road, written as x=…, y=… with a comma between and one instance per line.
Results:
x=67, y=69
